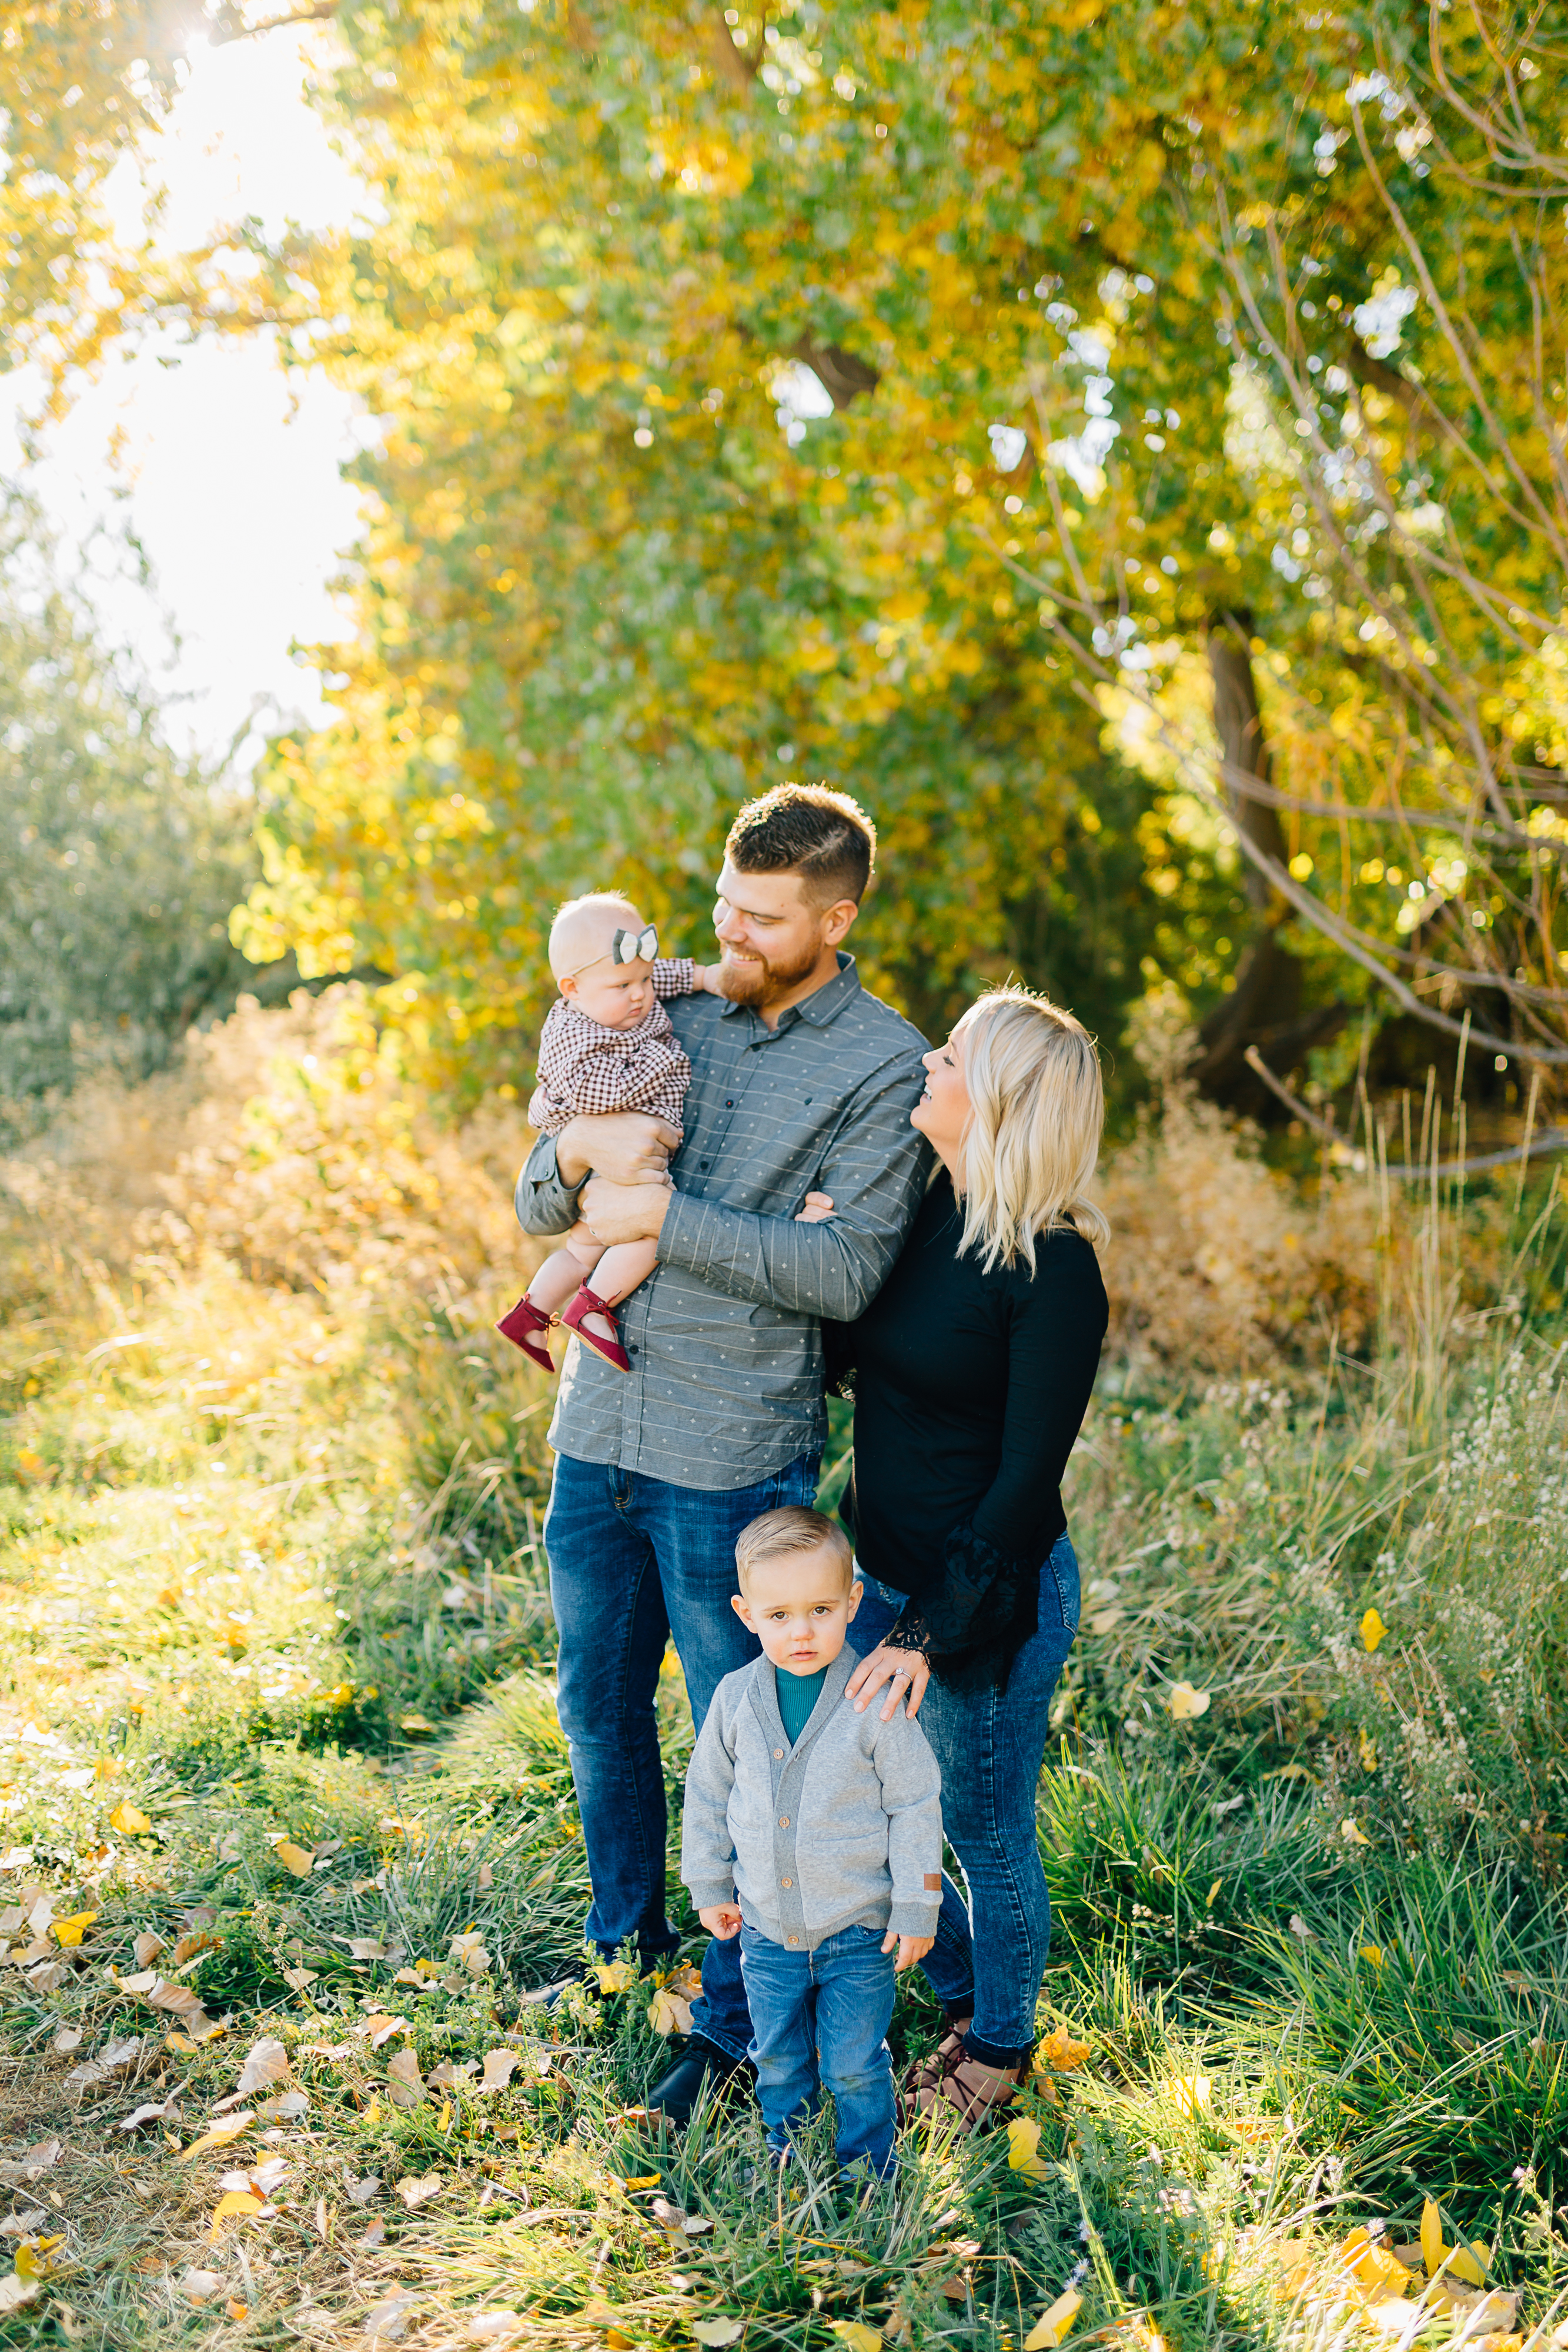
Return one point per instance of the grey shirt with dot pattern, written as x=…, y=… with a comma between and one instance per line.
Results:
x=725, y=1385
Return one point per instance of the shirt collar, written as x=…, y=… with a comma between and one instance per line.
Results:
x=823, y=1006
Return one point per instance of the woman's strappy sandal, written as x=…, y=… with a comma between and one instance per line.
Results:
x=950, y=2079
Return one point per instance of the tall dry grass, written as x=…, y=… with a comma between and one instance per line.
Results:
x=269, y=1504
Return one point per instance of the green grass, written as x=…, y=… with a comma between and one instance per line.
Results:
x=272, y=1573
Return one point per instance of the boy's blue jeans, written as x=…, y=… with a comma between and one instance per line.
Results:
x=820, y=2020
x=633, y=1560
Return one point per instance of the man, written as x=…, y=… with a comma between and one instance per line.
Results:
x=801, y=1082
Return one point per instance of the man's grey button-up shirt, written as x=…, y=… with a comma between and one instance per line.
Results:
x=726, y=1386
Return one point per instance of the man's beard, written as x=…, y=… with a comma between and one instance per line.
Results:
x=759, y=983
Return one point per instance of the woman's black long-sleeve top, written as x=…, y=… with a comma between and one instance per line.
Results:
x=969, y=1391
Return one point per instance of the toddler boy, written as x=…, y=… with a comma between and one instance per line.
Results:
x=815, y=1835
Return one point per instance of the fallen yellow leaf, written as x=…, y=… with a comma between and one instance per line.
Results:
x=1374, y=2265
x=668, y=2012
x=1470, y=2262
x=1190, y=2094
x=219, y=2137
x=236, y=2309
x=856, y=2335
x=1023, y=2144
x=129, y=1820
x=1352, y=1833
x=1373, y=1630
x=1367, y=1747
x=70, y=1932
x=1184, y=1702
x=1374, y=1953
x=298, y=1859
x=644, y=2180
x=1432, y=2247
x=233, y=2206
x=1053, y=2325
x=1060, y=2052
x=614, y=1976
x=444, y=2116
x=715, y=2332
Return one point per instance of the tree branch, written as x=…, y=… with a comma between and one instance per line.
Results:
x=841, y=372
x=732, y=63
x=1551, y=1139
x=228, y=24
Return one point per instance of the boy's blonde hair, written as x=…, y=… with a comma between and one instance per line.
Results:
x=1036, y=1107
x=778, y=1533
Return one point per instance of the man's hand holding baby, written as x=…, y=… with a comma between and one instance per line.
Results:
x=624, y=1212
x=627, y=1147
x=723, y=1920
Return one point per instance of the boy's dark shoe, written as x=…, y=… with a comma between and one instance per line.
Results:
x=677, y=2090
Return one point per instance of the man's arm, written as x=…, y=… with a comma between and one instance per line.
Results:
x=630, y=1147
x=875, y=1173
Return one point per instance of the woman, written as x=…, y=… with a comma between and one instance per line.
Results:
x=972, y=1370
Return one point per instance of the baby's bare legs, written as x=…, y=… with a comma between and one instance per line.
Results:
x=565, y=1271
x=622, y=1266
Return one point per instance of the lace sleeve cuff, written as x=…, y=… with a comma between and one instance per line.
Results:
x=972, y=1626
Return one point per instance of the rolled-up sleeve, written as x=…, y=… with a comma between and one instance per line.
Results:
x=543, y=1203
x=875, y=1170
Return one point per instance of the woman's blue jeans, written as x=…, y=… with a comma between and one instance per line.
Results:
x=819, y=2018
x=990, y=1952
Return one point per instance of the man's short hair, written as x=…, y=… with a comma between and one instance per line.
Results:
x=778, y=1533
x=823, y=836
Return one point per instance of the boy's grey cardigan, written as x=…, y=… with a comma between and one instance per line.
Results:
x=843, y=1829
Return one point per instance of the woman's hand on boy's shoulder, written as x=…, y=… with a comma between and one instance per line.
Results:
x=905, y=1673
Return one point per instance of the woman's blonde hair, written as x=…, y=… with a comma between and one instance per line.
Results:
x=1036, y=1111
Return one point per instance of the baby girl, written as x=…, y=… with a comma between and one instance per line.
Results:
x=608, y=1044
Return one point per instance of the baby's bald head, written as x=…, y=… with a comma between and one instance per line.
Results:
x=584, y=928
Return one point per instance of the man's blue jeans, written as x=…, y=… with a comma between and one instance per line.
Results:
x=820, y=2020
x=634, y=1560
x=989, y=1954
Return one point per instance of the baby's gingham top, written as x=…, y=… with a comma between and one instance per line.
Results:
x=586, y=1067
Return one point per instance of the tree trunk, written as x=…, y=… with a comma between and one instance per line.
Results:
x=1264, y=1009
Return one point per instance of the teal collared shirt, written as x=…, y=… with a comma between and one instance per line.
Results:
x=725, y=1385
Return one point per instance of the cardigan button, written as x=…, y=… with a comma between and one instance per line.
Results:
x=794, y=1939
x=778, y=1752
x=786, y=1882
x=783, y=1821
